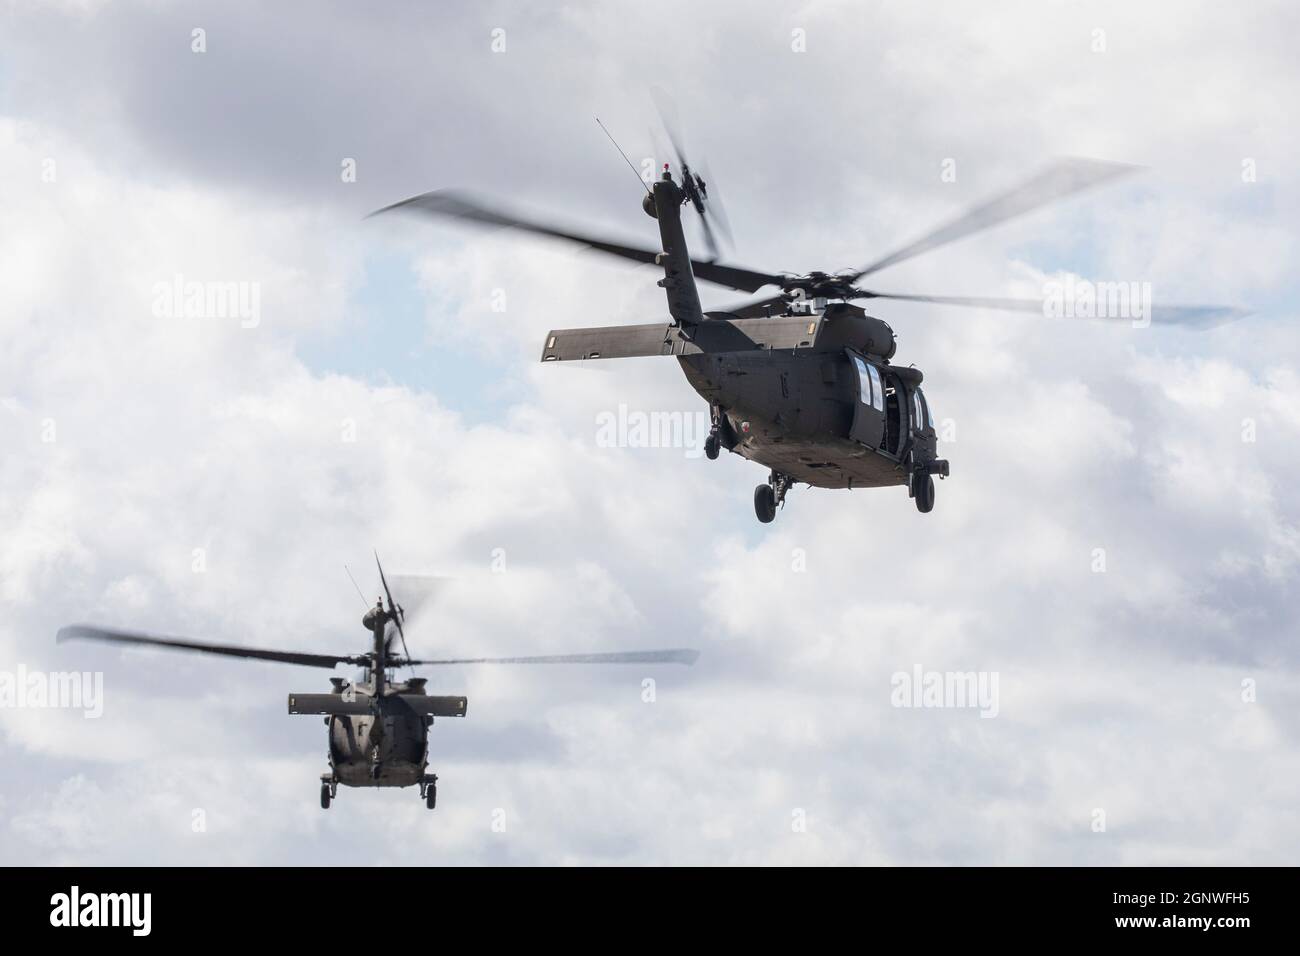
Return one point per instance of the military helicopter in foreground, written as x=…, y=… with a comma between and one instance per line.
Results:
x=378, y=727
x=800, y=381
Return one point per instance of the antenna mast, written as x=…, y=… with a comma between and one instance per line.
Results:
x=624, y=155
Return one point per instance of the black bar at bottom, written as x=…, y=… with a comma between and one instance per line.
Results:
x=385, y=904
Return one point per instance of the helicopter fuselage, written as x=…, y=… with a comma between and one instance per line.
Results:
x=387, y=747
x=829, y=411
x=811, y=396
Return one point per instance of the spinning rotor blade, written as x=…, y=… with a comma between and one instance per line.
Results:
x=734, y=277
x=710, y=238
x=1199, y=317
x=451, y=204
x=667, y=108
x=709, y=207
x=675, y=656
x=1193, y=316
x=394, y=609
x=89, y=632
x=419, y=592
x=716, y=210
x=709, y=211
x=1064, y=178
x=758, y=309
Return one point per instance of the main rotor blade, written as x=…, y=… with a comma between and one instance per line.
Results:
x=734, y=277
x=1064, y=178
x=758, y=309
x=1198, y=317
x=675, y=656
x=454, y=205
x=92, y=633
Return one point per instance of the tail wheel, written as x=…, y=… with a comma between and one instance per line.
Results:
x=765, y=503
x=924, y=493
x=324, y=796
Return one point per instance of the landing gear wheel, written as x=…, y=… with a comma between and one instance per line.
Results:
x=924, y=493
x=712, y=446
x=324, y=796
x=765, y=503
x=431, y=796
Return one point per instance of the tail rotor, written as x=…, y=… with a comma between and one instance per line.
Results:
x=395, y=612
x=695, y=188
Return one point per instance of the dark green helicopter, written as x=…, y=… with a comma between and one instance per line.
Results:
x=378, y=726
x=800, y=381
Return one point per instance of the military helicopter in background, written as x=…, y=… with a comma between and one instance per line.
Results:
x=378, y=726
x=800, y=381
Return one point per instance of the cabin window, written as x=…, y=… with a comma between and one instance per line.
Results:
x=877, y=390
x=864, y=381
x=921, y=409
x=870, y=390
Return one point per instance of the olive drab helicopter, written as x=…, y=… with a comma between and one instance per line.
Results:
x=801, y=381
x=378, y=725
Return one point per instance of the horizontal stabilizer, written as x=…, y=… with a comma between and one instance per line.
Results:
x=332, y=704
x=615, y=341
x=337, y=705
x=714, y=335
x=427, y=706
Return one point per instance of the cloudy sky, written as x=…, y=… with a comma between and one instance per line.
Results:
x=1118, y=542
